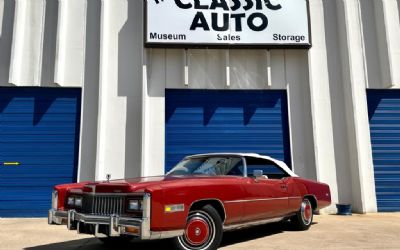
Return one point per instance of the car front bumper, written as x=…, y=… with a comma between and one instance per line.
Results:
x=109, y=226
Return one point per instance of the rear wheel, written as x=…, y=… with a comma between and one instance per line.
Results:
x=203, y=230
x=304, y=217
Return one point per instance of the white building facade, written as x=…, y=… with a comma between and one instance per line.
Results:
x=340, y=95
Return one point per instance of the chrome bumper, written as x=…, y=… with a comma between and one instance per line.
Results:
x=116, y=225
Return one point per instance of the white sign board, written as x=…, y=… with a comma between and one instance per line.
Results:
x=227, y=22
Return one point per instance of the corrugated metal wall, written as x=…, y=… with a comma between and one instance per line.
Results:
x=384, y=114
x=39, y=142
x=206, y=121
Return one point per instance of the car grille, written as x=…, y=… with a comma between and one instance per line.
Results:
x=103, y=204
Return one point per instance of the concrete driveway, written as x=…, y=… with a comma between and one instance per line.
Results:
x=373, y=231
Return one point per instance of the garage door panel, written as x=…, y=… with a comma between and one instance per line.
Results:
x=203, y=121
x=39, y=172
x=39, y=129
x=22, y=119
x=388, y=189
x=12, y=110
x=34, y=193
x=22, y=213
x=384, y=115
x=386, y=169
x=56, y=146
x=27, y=182
x=47, y=160
x=386, y=175
x=22, y=193
x=388, y=206
x=22, y=205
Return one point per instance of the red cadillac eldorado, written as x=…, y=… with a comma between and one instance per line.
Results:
x=194, y=203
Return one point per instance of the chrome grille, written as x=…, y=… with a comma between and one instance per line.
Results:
x=103, y=204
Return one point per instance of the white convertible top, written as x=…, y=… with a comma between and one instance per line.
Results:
x=277, y=162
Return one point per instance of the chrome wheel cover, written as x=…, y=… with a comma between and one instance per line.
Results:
x=199, y=232
x=306, y=212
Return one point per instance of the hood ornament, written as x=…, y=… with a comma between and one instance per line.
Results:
x=108, y=177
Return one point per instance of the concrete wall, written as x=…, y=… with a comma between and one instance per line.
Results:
x=98, y=45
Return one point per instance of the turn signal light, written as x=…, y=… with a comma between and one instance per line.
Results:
x=174, y=208
x=132, y=230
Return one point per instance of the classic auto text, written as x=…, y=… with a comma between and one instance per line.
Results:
x=257, y=21
x=227, y=21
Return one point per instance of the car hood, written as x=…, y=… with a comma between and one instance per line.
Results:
x=141, y=184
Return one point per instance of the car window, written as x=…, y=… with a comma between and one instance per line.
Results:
x=269, y=168
x=237, y=169
x=212, y=165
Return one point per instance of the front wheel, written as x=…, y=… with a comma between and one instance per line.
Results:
x=203, y=230
x=304, y=217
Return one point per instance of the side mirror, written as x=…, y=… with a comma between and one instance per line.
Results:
x=258, y=173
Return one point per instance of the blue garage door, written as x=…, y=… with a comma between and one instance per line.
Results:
x=204, y=121
x=39, y=138
x=384, y=116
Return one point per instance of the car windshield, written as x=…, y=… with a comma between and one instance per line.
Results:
x=211, y=165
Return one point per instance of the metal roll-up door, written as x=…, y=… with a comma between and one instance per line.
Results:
x=384, y=116
x=205, y=121
x=39, y=139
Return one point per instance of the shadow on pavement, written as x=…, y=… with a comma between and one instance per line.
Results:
x=95, y=244
x=230, y=238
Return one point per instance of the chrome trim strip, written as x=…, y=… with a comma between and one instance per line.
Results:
x=145, y=228
x=70, y=219
x=266, y=199
x=54, y=199
x=165, y=234
x=170, y=234
x=250, y=224
x=244, y=166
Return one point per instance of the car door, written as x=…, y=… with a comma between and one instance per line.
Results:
x=266, y=196
x=294, y=194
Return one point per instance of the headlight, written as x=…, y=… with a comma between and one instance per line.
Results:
x=135, y=205
x=78, y=201
x=71, y=201
x=74, y=201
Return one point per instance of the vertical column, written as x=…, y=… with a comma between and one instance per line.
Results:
x=153, y=114
x=1, y=15
x=320, y=103
x=186, y=67
x=112, y=107
x=7, y=10
x=90, y=92
x=354, y=82
x=388, y=31
x=27, y=45
x=145, y=114
x=268, y=66
x=227, y=68
x=49, y=44
x=70, y=59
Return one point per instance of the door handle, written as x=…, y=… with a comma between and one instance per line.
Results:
x=15, y=163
